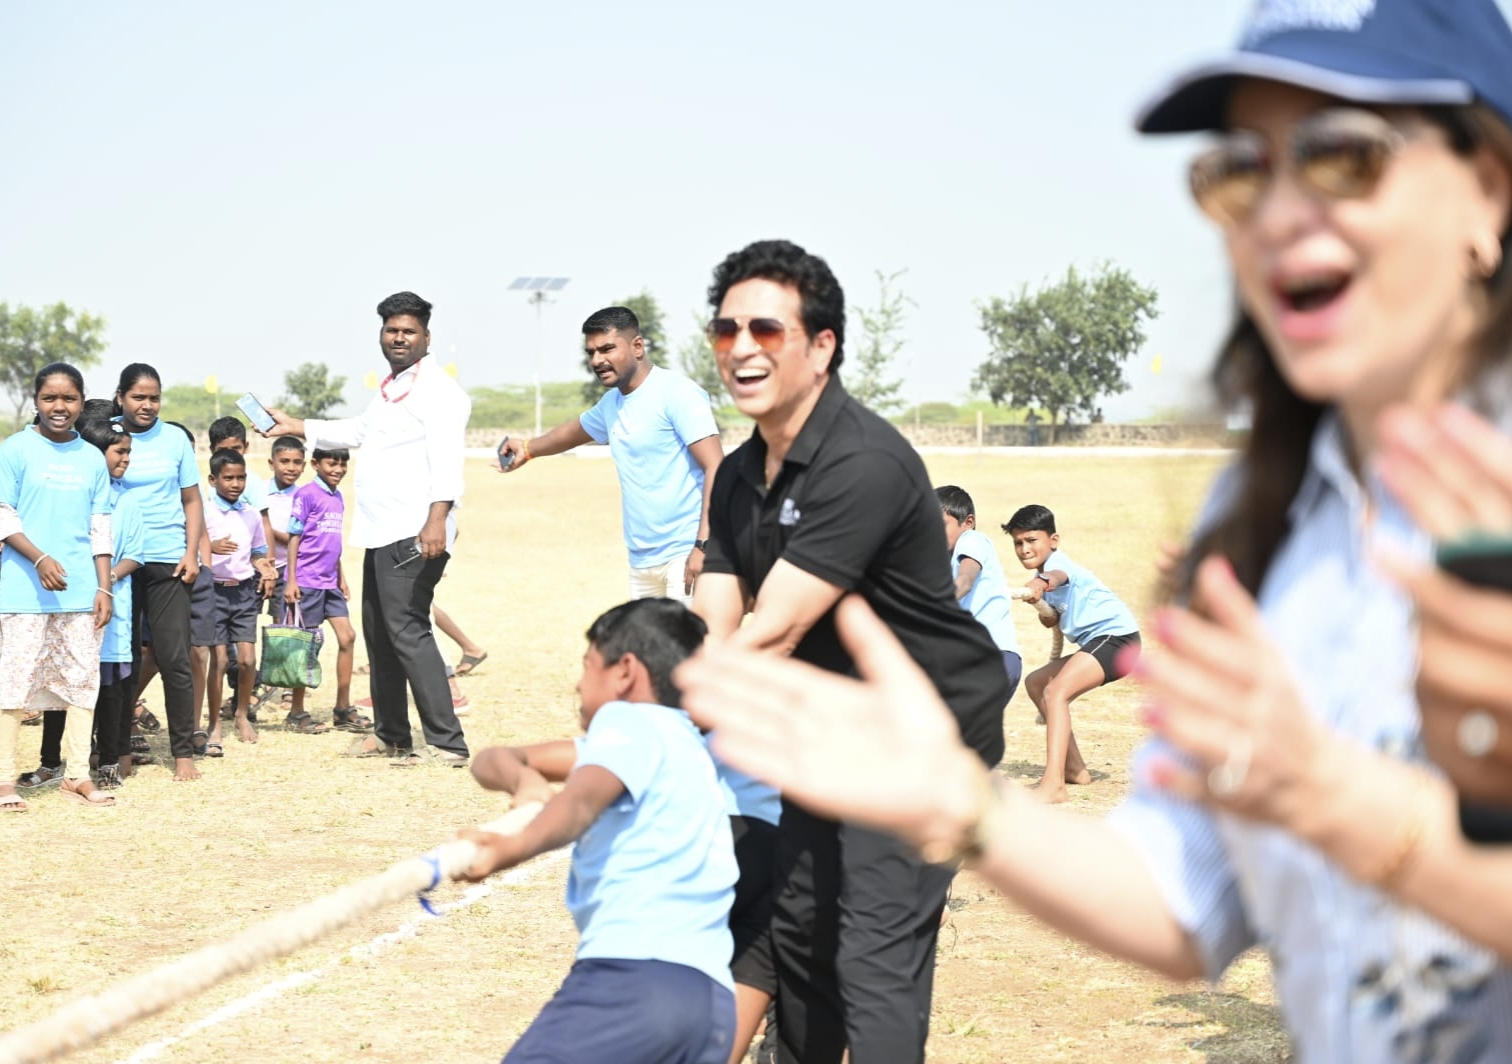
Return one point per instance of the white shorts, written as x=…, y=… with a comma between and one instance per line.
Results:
x=661, y=581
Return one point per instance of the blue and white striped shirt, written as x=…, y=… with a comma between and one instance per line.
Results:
x=1359, y=977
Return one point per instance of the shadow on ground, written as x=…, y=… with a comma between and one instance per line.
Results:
x=1252, y=1033
x=1030, y=771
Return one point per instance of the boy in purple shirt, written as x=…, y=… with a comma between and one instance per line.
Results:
x=243, y=576
x=316, y=585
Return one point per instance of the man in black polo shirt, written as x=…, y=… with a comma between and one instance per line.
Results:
x=824, y=499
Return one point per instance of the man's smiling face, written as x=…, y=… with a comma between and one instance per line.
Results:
x=404, y=340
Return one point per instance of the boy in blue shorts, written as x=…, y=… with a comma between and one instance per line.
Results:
x=653, y=865
x=243, y=576
x=980, y=584
x=316, y=586
x=1092, y=617
x=287, y=463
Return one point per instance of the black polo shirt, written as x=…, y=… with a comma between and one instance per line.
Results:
x=853, y=506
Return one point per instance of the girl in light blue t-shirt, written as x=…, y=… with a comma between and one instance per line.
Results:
x=162, y=481
x=55, y=597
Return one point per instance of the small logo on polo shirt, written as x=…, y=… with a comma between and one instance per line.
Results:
x=789, y=515
x=1271, y=17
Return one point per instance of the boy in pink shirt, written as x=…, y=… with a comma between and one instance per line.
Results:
x=242, y=579
x=317, y=587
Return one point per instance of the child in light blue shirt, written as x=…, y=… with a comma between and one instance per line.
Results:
x=1092, y=617
x=980, y=584
x=653, y=863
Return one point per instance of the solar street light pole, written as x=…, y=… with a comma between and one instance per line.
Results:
x=538, y=287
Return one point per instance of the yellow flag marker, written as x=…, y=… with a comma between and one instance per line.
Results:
x=451, y=370
x=1155, y=365
x=370, y=382
x=212, y=385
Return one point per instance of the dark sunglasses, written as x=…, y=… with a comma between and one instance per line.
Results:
x=769, y=333
x=1338, y=154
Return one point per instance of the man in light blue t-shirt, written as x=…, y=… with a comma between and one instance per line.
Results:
x=660, y=429
x=653, y=865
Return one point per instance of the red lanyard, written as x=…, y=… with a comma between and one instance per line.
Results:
x=383, y=388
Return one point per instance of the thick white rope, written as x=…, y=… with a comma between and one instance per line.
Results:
x=83, y=1022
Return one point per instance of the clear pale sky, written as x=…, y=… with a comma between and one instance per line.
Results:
x=234, y=187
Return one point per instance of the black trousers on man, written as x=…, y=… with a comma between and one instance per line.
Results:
x=402, y=651
x=853, y=933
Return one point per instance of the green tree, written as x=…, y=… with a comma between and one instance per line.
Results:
x=652, y=326
x=881, y=343
x=32, y=338
x=311, y=391
x=696, y=360
x=193, y=407
x=1063, y=347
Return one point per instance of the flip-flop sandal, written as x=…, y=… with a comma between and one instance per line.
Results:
x=33, y=716
x=199, y=740
x=145, y=719
x=378, y=748
x=12, y=803
x=305, y=724
x=95, y=799
x=214, y=749
x=469, y=663
x=349, y=720
x=139, y=745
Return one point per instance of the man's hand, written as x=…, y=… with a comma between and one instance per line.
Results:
x=432, y=537
x=515, y=449
x=224, y=545
x=284, y=425
x=692, y=569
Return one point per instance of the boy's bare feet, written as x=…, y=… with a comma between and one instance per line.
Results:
x=184, y=770
x=244, y=730
x=1051, y=793
x=1076, y=770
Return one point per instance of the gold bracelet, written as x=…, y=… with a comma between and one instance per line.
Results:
x=524, y=451
x=988, y=817
x=1411, y=839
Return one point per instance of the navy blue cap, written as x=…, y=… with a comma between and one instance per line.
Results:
x=1412, y=52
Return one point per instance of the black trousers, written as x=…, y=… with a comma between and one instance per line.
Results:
x=853, y=933
x=112, y=720
x=163, y=599
x=401, y=646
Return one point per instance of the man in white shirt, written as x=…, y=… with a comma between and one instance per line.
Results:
x=408, y=481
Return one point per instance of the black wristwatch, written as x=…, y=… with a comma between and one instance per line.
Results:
x=701, y=544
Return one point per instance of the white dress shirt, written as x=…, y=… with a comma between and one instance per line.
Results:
x=411, y=436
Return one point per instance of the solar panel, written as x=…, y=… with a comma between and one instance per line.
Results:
x=519, y=282
x=556, y=283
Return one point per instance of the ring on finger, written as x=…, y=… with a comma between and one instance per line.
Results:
x=1227, y=779
x=1477, y=733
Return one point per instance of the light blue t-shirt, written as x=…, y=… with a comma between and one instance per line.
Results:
x=56, y=488
x=1088, y=609
x=988, y=600
x=126, y=530
x=653, y=878
x=661, y=485
x=162, y=465
x=744, y=795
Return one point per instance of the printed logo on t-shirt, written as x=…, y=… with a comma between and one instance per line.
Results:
x=789, y=515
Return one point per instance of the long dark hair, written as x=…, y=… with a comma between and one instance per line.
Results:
x=1273, y=461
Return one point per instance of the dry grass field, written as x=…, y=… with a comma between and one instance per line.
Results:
x=90, y=896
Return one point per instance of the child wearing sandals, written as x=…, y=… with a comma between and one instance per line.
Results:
x=113, y=708
x=316, y=586
x=55, y=597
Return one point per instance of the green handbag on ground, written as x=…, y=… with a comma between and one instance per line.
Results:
x=291, y=653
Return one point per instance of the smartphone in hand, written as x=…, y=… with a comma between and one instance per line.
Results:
x=505, y=458
x=256, y=413
x=1483, y=561
x=410, y=555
